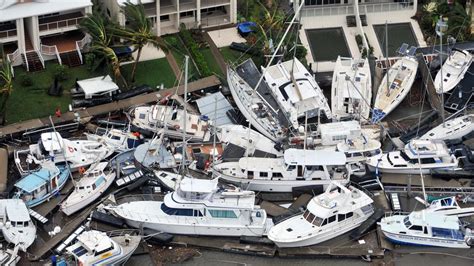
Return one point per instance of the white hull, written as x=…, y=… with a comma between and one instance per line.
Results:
x=425, y=241
x=453, y=70
x=325, y=235
x=415, y=170
x=195, y=226
x=453, y=129
x=274, y=185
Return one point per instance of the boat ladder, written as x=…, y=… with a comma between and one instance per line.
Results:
x=38, y=216
x=129, y=178
x=395, y=202
x=71, y=238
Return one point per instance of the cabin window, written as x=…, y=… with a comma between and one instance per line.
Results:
x=305, y=214
x=416, y=227
x=314, y=168
x=331, y=219
x=263, y=174
x=407, y=222
x=317, y=221
x=250, y=173
x=338, y=137
x=291, y=167
x=178, y=212
x=197, y=213
x=341, y=217
x=141, y=116
x=310, y=217
x=277, y=175
x=349, y=215
x=222, y=214
x=324, y=222
x=105, y=250
x=115, y=137
x=447, y=233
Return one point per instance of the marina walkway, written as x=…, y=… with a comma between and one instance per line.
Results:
x=87, y=113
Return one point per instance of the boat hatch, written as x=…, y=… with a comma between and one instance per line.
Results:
x=80, y=251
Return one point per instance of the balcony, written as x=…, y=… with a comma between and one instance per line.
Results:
x=167, y=7
x=187, y=5
x=214, y=3
x=61, y=21
x=217, y=19
x=8, y=30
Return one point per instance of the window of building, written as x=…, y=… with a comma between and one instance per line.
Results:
x=222, y=214
x=211, y=10
x=186, y=14
x=165, y=18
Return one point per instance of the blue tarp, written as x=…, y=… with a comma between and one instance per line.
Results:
x=246, y=27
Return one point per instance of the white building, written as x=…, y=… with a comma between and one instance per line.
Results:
x=167, y=15
x=33, y=31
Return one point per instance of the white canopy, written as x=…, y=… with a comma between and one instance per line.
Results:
x=97, y=86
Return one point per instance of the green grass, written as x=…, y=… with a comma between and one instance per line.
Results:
x=153, y=73
x=211, y=62
x=179, y=51
x=234, y=57
x=33, y=101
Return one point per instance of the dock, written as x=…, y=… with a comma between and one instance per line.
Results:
x=86, y=114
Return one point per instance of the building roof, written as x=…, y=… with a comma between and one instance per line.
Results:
x=36, y=8
x=314, y=157
x=35, y=180
x=217, y=114
x=97, y=85
x=16, y=210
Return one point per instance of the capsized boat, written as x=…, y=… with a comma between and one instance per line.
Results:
x=296, y=91
x=120, y=140
x=169, y=119
x=91, y=186
x=396, y=84
x=78, y=153
x=455, y=128
x=337, y=211
x=255, y=109
x=97, y=248
x=297, y=168
x=453, y=70
x=351, y=89
x=16, y=224
x=418, y=155
x=43, y=184
x=198, y=207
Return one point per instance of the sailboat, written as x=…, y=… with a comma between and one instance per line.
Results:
x=120, y=140
x=351, y=89
x=396, y=84
x=296, y=91
x=453, y=70
x=455, y=128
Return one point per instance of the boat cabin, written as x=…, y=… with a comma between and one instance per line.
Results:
x=92, y=244
x=305, y=162
x=334, y=133
x=429, y=151
x=433, y=225
x=15, y=213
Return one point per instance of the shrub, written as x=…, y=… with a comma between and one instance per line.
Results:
x=358, y=39
x=60, y=72
x=26, y=80
x=90, y=60
x=193, y=48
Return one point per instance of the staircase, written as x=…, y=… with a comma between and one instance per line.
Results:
x=34, y=62
x=70, y=58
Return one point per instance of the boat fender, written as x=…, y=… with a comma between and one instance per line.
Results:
x=71, y=149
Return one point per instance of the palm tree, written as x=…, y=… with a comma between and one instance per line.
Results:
x=100, y=30
x=459, y=23
x=6, y=87
x=138, y=31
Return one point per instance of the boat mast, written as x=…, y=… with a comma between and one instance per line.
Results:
x=421, y=176
x=183, y=162
x=214, y=129
x=386, y=57
x=441, y=28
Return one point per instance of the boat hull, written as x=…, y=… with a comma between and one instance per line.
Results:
x=404, y=239
x=408, y=170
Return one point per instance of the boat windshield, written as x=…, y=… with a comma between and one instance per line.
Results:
x=407, y=222
x=311, y=218
x=447, y=233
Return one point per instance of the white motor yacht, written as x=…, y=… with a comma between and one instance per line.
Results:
x=296, y=91
x=337, y=211
x=78, y=153
x=426, y=228
x=254, y=107
x=351, y=89
x=453, y=70
x=169, y=118
x=297, y=168
x=16, y=224
x=418, y=155
x=395, y=85
x=198, y=207
x=455, y=128
x=97, y=248
x=96, y=180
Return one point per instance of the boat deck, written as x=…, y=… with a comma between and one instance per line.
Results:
x=248, y=71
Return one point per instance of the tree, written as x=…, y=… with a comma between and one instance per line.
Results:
x=459, y=23
x=100, y=29
x=138, y=31
x=6, y=86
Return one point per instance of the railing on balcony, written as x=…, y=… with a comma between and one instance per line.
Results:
x=60, y=24
x=26, y=61
x=213, y=3
x=12, y=59
x=349, y=9
x=51, y=50
x=217, y=20
x=79, y=52
x=8, y=33
x=81, y=44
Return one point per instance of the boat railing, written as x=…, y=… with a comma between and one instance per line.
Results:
x=393, y=213
x=139, y=197
x=123, y=232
